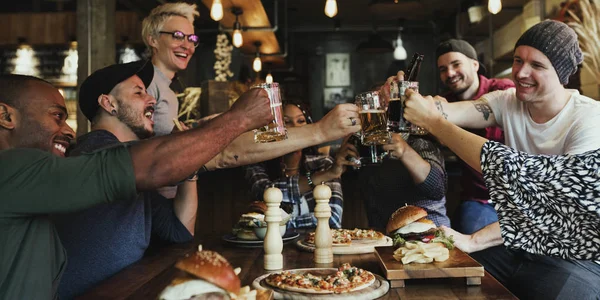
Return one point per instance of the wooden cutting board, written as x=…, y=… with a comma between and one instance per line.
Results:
x=377, y=289
x=458, y=265
x=357, y=246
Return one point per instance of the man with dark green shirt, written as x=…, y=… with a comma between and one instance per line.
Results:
x=37, y=180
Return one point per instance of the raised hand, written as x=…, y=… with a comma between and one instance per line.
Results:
x=341, y=121
x=342, y=159
x=396, y=147
x=253, y=108
x=384, y=91
x=422, y=111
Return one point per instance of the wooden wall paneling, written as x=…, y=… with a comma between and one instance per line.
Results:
x=57, y=28
x=128, y=25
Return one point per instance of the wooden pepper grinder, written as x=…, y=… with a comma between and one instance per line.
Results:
x=273, y=243
x=323, y=240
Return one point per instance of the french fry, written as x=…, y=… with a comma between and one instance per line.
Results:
x=410, y=258
x=424, y=260
x=420, y=252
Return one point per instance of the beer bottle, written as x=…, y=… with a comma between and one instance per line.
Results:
x=414, y=67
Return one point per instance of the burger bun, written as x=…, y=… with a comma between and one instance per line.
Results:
x=404, y=216
x=212, y=267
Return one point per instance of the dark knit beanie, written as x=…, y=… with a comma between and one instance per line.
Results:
x=559, y=43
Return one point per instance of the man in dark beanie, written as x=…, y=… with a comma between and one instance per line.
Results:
x=538, y=116
x=463, y=76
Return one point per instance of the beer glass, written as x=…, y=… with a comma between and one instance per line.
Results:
x=373, y=118
x=274, y=131
x=396, y=121
x=369, y=155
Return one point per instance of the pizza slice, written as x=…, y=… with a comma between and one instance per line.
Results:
x=340, y=237
x=345, y=279
x=366, y=234
x=344, y=237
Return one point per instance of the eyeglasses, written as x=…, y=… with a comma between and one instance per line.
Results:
x=180, y=36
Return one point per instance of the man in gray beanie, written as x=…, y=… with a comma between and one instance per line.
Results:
x=539, y=116
x=558, y=43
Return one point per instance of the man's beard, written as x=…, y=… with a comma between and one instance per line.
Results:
x=460, y=89
x=134, y=121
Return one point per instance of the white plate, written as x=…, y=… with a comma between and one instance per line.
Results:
x=232, y=239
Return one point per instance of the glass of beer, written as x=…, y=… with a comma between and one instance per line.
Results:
x=369, y=155
x=373, y=118
x=274, y=131
x=396, y=121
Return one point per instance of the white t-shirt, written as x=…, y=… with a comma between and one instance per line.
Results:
x=576, y=129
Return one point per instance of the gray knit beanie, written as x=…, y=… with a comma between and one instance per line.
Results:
x=559, y=43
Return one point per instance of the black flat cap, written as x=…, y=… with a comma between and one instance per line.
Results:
x=104, y=80
x=460, y=46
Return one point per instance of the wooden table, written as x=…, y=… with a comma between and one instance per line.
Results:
x=148, y=277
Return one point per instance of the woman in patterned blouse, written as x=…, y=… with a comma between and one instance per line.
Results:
x=548, y=209
x=296, y=173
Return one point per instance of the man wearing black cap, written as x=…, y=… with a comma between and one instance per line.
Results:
x=36, y=179
x=464, y=77
x=120, y=110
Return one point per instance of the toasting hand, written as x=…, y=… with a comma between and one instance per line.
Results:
x=253, y=108
x=341, y=121
x=396, y=147
x=384, y=91
x=423, y=110
x=343, y=159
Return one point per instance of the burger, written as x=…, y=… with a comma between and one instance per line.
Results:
x=410, y=223
x=244, y=229
x=255, y=217
x=209, y=276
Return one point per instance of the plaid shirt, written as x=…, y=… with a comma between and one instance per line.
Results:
x=304, y=204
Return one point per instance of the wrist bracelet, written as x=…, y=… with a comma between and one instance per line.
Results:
x=310, y=182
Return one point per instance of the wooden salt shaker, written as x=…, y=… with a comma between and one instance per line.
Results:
x=273, y=243
x=323, y=240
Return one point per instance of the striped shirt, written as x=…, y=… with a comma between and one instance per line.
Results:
x=303, y=203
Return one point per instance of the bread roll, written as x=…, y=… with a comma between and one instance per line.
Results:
x=404, y=216
x=212, y=267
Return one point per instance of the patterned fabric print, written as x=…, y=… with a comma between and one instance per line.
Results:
x=304, y=204
x=547, y=205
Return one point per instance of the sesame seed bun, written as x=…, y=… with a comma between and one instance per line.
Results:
x=212, y=267
x=404, y=216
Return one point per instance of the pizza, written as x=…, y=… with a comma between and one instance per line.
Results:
x=366, y=234
x=338, y=236
x=346, y=279
x=344, y=237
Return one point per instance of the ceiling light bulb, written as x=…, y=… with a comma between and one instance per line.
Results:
x=494, y=6
x=331, y=8
x=238, y=40
x=399, y=51
x=257, y=64
x=216, y=10
x=269, y=78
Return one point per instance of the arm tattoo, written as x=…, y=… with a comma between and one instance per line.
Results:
x=236, y=157
x=438, y=105
x=484, y=108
